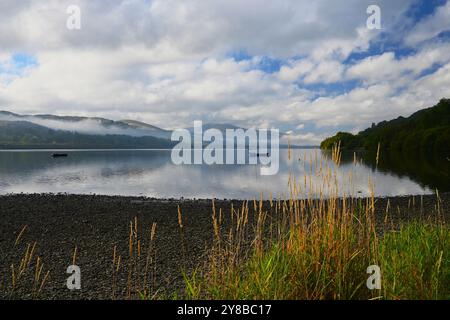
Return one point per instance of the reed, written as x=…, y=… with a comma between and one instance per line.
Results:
x=19, y=236
x=318, y=243
x=182, y=231
x=27, y=271
x=139, y=266
x=74, y=255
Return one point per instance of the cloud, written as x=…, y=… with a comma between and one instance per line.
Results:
x=303, y=139
x=192, y=27
x=387, y=68
x=168, y=63
x=430, y=27
x=84, y=126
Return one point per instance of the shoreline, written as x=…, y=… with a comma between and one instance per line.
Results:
x=187, y=199
x=94, y=224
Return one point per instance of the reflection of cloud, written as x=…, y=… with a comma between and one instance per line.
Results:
x=153, y=174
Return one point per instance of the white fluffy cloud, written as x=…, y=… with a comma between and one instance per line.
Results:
x=169, y=62
x=387, y=68
x=431, y=27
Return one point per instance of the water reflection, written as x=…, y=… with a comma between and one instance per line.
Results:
x=429, y=170
x=151, y=173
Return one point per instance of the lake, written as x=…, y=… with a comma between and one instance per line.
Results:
x=151, y=173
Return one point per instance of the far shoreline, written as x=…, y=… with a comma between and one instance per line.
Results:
x=210, y=199
x=282, y=147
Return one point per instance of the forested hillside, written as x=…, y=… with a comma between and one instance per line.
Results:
x=24, y=134
x=427, y=130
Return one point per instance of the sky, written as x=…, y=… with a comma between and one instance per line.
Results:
x=309, y=68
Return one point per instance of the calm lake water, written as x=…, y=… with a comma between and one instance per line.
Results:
x=152, y=173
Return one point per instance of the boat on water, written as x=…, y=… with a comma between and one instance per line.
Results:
x=260, y=154
x=60, y=155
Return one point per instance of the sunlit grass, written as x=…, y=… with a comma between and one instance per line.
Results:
x=320, y=248
x=27, y=272
x=416, y=262
x=315, y=244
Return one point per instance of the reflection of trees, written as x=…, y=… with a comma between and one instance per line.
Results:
x=427, y=169
x=12, y=163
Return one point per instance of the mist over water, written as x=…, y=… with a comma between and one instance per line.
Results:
x=89, y=126
x=151, y=173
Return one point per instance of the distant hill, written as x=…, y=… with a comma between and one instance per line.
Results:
x=52, y=131
x=427, y=130
x=24, y=134
x=149, y=129
x=139, y=125
x=89, y=125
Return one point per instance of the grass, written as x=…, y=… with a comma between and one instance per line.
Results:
x=27, y=273
x=414, y=264
x=316, y=244
x=139, y=266
x=321, y=247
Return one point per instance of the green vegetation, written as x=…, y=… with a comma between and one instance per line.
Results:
x=303, y=247
x=426, y=131
x=24, y=134
x=414, y=263
x=306, y=248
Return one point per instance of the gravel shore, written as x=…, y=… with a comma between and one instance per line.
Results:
x=95, y=224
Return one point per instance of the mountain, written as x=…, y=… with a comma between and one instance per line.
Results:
x=138, y=124
x=149, y=129
x=52, y=131
x=427, y=130
x=89, y=125
x=25, y=134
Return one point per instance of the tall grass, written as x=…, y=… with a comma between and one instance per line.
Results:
x=315, y=244
x=138, y=265
x=28, y=275
x=416, y=262
x=320, y=248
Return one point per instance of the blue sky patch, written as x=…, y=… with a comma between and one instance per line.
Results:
x=22, y=61
x=329, y=89
x=266, y=64
x=18, y=63
x=423, y=8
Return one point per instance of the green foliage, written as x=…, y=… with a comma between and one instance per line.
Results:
x=346, y=139
x=416, y=262
x=23, y=134
x=427, y=130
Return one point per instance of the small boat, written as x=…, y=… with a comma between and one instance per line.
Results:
x=262, y=154
x=259, y=154
x=60, y=155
